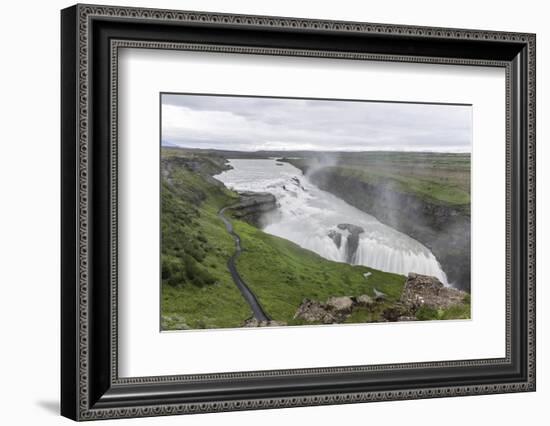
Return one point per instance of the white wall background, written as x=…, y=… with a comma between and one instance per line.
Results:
x=29, y=212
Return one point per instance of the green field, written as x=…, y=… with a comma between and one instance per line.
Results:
x=197, y=291
x=197, y=288
x=282, y=274
x=440, y=178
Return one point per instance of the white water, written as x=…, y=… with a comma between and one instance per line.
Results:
x=307, y=214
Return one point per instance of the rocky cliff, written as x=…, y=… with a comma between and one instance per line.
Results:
x=443, y=229
x=253, y=205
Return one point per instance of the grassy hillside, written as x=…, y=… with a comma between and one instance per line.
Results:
x=197, y=289
x=282, y=274
x=440, y=178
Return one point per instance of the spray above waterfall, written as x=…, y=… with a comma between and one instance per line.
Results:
x=323, y=223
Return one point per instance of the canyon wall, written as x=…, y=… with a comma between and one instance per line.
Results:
x=443, y=229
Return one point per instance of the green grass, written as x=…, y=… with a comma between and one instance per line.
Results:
x=460, y=311
x=441, y=178
x=197, y=289
x=282, y=274
x=434, y=189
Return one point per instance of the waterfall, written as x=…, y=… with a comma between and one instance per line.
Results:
x=323, y=223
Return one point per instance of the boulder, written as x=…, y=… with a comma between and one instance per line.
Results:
x=340, y=305
x=364, y=300
x=334, y=310
x=424, y=290
x=314, y=311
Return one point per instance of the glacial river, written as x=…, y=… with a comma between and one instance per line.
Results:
x=309, y=217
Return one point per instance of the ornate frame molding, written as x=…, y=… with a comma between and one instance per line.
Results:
x=83, y=15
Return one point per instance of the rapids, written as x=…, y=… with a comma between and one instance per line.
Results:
x=309, y=217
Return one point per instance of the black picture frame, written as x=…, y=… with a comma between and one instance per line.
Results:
x=90, y=386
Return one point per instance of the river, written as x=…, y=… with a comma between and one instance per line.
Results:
x=309, y=217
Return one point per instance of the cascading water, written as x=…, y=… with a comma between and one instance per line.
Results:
x=323, y=223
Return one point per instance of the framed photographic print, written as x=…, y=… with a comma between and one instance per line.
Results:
x=263, y=212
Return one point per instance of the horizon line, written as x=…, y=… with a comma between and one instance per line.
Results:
x=321, y=150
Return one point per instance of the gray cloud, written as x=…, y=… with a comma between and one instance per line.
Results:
x=249, y=124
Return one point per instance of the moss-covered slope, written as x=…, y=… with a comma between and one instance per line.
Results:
x=197, y=288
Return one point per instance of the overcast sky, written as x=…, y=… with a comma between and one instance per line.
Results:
x=251, y=124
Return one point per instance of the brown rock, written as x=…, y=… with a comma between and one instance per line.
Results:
x=424, y=290
x=364, y=300
x=334, y=310
x=342, y=304
x=396, y=312
x=314, y=311
x=252, y=206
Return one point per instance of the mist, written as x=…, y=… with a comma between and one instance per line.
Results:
x=312, y=218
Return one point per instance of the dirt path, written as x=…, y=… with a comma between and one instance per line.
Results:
x=250, y=297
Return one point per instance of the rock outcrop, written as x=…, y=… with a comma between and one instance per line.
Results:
x=336, y=237
x=342, y=304
x=314, y=311
x=352, y=241
x=364, y=300
x=422, y=291
x=206, y=167
x=398, y=312
x=253, y=205
x=419, y=291
x=427, y=291
x=334, y=310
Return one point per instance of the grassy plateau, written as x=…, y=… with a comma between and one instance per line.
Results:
x=440, y=178
x=197, y=288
